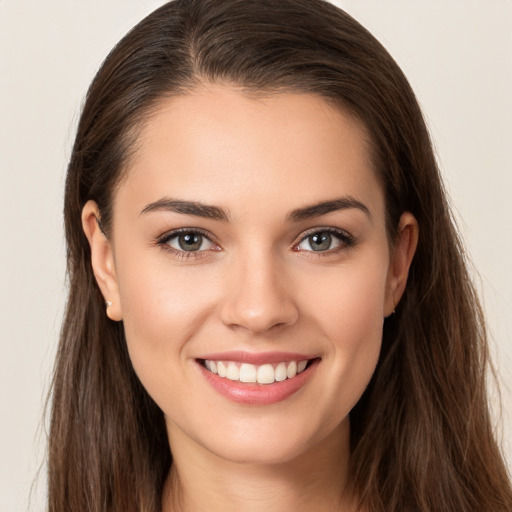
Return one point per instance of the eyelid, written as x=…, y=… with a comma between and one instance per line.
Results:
x=162, y=241
x=173, y=232
x=347, y=240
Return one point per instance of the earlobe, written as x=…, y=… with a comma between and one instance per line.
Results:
x=102, y=260
x=401, y=259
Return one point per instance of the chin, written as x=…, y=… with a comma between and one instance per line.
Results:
x=270, y=443
x=277, y=452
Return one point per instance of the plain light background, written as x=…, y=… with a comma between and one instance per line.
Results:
x=457, y=55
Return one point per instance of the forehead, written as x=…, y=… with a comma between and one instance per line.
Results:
x=219, y=146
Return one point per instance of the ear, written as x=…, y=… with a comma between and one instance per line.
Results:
x=401, y=258
x=102, y=260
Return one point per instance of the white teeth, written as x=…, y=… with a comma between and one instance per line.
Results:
x=221, y=369
x=248, y=373
x=280, y=372
x=264, y=374
x=233, y=373
x=292, y=369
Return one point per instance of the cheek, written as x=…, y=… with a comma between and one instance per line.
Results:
x=162, y=310
x=349, y=301
x=350, y=315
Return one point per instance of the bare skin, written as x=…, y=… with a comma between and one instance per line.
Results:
x=290, y=486
x=255, y=226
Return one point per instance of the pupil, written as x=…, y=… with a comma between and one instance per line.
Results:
x=320, y=241
x=190, y=242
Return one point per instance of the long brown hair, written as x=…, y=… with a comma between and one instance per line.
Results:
x=421, y=435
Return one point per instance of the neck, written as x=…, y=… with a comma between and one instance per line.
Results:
x=316, y=480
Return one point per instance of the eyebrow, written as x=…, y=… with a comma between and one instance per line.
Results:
x=214, y=212
x=315, y=210
x=187, y=208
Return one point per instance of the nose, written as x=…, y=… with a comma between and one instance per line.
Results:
x=258, y=296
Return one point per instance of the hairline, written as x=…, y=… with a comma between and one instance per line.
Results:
x=132, y=138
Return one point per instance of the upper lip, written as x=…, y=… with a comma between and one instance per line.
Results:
x=257, y=358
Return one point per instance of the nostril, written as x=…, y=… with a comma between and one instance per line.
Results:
x=257, y=297
x=258, y=320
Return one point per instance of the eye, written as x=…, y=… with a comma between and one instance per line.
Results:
x=325, y=240
x=187, y=241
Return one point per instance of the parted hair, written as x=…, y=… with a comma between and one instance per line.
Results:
x=421, y=435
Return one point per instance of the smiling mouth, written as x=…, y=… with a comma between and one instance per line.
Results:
x=257, y=374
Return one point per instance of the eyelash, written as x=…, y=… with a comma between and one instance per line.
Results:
x=346, y=242
x=163, y=242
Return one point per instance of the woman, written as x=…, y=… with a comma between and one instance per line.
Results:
x=269, y=306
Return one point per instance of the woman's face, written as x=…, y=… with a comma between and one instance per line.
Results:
x=249, y=239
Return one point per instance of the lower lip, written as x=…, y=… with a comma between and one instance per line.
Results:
x=259, y=394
